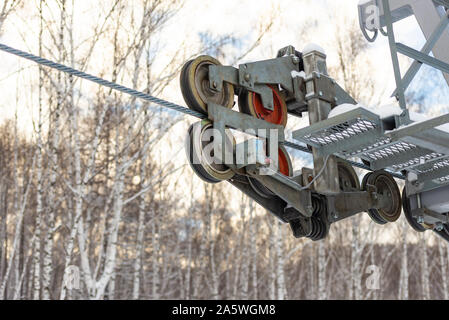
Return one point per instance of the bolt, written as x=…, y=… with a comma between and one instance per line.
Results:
x=295, y=59
x=420, y=219
x=321, y=93
x=439, y=226
x=247, y=77
x=214, y=84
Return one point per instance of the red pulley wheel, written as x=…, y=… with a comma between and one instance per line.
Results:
x=251, y=103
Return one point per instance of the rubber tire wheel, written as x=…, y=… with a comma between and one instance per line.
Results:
x=247, y=105
x=196, y=97
x=408, y=215
x=391, y=183
x=199, y=168
x=372, y=213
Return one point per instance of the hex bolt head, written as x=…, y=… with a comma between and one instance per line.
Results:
x=214, y=84
x=247, y=77
x=295, y=59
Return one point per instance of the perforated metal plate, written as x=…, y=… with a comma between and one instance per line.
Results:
x=360, y=133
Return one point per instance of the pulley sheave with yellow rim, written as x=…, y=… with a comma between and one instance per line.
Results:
x=195, y=85
x=387, y=187
x=200, y=153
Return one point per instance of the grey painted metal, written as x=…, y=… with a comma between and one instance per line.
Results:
x=243, y=122
x=255, y=76
x=219, y=74
x=410, y=147
x=394, y=55
x=341, y=96
x=315, y=63
x=347, y=204
x=429, y=217
x=423, y=58
x=442, y=2
x=428, y=16
x=357, y=127
x=272, y=71
x=430, y=43
x=287, y=189
x=418, y=127
x=432, y=139
x=225, y=118
x=434, y=175
x=398, y=161
x=427, y=185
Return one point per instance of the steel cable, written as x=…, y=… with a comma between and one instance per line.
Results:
x=139, y=94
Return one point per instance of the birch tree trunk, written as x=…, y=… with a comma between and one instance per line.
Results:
x=356, y=265
x=48, y=244
x=443, y=266
x=322, y=270
x=403, y=283
x=39, y=177
x=312, y=292
x=253, y=226
x=280, y=273
x=425, y=273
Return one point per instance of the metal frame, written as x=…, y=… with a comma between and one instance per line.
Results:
x=255, y=76
x=311, y=206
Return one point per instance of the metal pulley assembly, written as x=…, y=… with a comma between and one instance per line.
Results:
x=310, y=200
x=195, y=86
x=385, y=185
x=427, y=210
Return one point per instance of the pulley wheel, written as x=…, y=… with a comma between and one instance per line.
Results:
x=348, y=179
x=195, y=86
x=386, y=186
x=200, y=153
x=285, y=168
x=251, y=103
x=372, y=213
x=408, y=213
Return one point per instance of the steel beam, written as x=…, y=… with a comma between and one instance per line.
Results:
x=430, y=43
x=315, y=62
x=394, y=55
x=423, y=58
